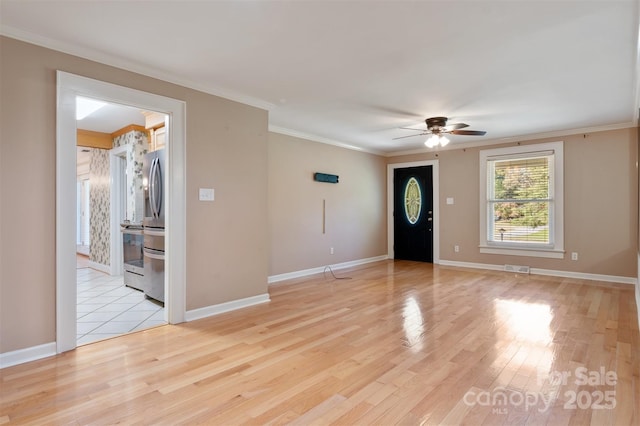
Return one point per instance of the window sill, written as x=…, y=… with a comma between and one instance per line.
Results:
x=533, y=252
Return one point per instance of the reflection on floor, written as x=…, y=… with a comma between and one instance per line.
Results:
x=107, y=308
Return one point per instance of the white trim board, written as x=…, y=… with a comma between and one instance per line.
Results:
x=116, y=172
x=638, y=291
x=306, y=272
x=221, y=308
x=21, y=356
x=549, y=272
x=319, y=139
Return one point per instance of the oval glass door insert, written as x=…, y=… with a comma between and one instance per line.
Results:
x=412, y=200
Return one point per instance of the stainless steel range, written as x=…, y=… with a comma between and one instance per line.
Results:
x=132, y=250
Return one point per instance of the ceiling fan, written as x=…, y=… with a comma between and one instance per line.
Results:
x=437, y=127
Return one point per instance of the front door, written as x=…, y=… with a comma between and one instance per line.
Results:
x=413, y=213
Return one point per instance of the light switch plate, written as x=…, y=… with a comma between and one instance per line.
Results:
x=206, y=194
x=449, y=200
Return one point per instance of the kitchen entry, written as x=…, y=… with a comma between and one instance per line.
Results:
x=69, y=87
x=121, y=289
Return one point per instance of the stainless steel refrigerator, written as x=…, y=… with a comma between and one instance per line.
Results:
x=153, y=170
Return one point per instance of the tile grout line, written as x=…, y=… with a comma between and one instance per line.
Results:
x=101, y=288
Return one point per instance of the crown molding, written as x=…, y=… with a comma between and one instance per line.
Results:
x=315, y=138
x=110, y=60
x=114, y=61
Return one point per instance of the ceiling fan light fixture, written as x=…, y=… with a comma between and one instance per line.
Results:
x=432, y=141
x=437, y=127
x=436, y=140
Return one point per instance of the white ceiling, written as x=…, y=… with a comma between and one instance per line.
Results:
x=353, y=72
x=112, y=117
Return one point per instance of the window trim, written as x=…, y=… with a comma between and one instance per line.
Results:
x=553, y=250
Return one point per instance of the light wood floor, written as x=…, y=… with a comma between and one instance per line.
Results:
x=400, y=342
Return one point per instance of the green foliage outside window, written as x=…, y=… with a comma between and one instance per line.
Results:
x=521, y=200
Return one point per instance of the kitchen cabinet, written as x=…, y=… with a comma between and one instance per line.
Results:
x=158, y=138
x=154, y=123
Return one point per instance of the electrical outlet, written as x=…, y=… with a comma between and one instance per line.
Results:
x=206, y=194
x=574, y=255
x=456, y=248
x=331, y=250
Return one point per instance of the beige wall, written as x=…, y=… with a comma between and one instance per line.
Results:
x=600, y=196
x=355, y=208
x=226, y=148
x=267, y=217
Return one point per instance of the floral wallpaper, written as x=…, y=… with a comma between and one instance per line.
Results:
x=99, y=200
x=100, y=196
x=135, y=193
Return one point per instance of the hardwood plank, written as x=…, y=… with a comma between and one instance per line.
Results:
x=398, y=343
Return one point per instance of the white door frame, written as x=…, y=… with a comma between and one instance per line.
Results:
x=68, y=87
x=85, y=211
x=116, y=172
x=436, y=205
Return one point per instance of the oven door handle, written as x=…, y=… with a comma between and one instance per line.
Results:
x=154, y=233
x=154, y=254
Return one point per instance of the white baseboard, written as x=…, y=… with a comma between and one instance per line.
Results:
x=21, y=356
x=305, y=272
x=585, y=276
x=550, y=272
x=638, y=302
x=100, y=267
x=471, y=265
x=209, y=311
x=638, y=291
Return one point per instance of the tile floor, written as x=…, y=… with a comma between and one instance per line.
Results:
x=107, y=308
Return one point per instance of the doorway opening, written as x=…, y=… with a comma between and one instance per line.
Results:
x=69, y=87
x=113, y=141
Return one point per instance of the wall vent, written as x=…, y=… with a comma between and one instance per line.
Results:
x=519, y=269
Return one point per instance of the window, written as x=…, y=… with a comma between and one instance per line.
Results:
x=412, y=201
x=521, y=210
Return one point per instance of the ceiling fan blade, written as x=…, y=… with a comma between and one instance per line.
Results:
x=410, y=136
x=456, y=126
x=411, y=128
x=468, y=132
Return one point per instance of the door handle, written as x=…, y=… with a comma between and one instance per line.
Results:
x=158, y=187
x=154, y=233
x=154, y=254
x=152, y=187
